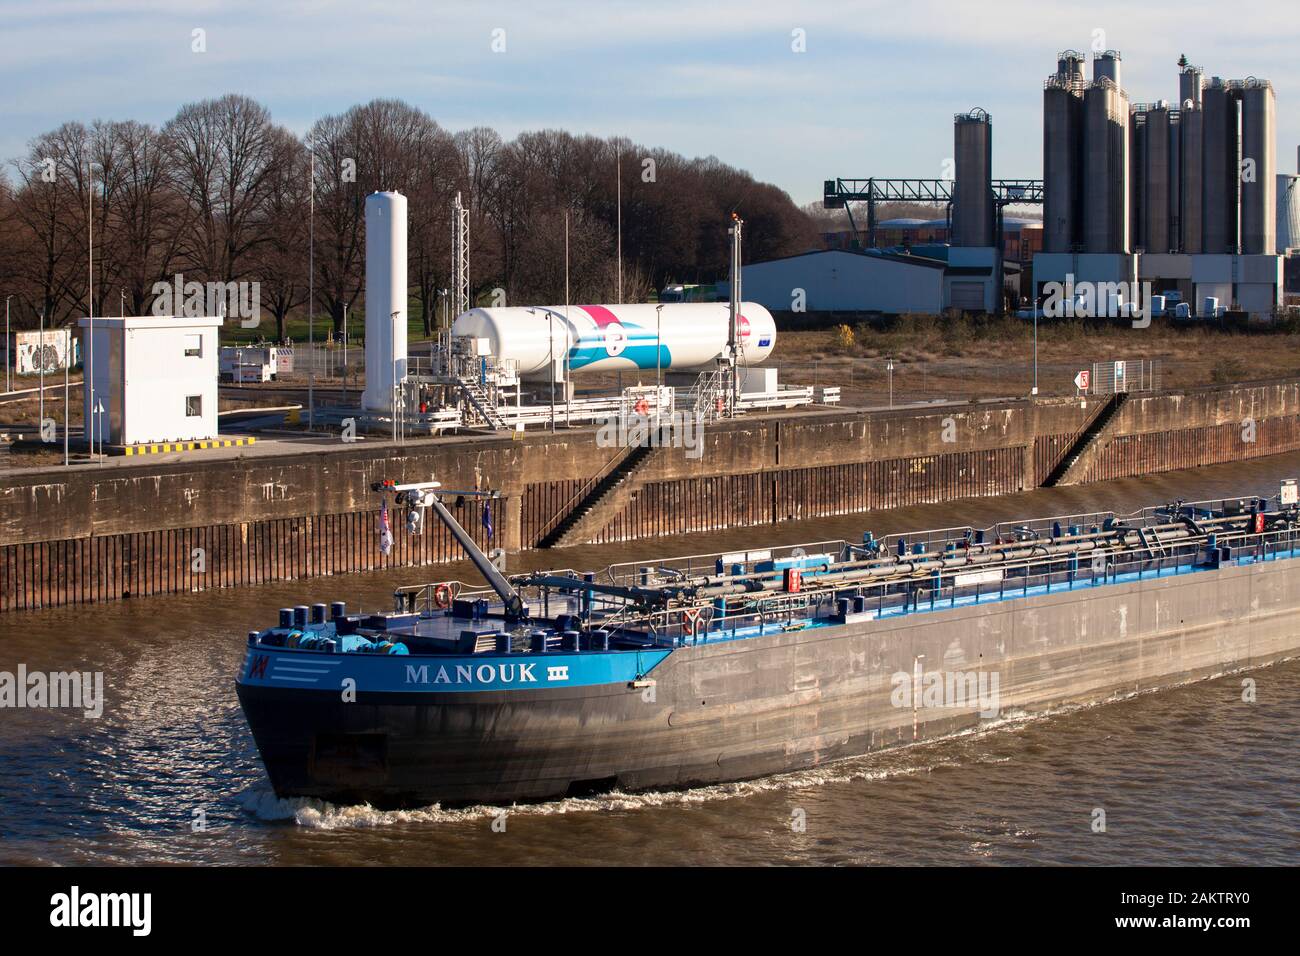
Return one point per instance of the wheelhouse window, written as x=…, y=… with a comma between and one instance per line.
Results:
x=193, y=406
x=193, y=345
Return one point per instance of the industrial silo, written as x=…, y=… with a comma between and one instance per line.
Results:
x=1288, y=212
x=1258, y=184
x=386, y=298
x=1105, y=168
x=1069, y=67
x=1137, y=128
x=1062, y=159
x=1219, y=169
x=1106, y=66
x=1175, y=146
x=1189, y=87
x=972, y=208
x=1155, y=180
x=1191, y=130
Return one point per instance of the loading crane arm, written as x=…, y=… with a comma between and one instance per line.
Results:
x=425, y=495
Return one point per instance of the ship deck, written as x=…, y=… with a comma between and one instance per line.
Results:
x=737, y=596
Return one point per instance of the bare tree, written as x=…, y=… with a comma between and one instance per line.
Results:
x=224, y=153
x=284, y=224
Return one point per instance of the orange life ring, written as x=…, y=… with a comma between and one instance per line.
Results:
x=690, y=619
x=642, y=406
x=721, y=405
x=442, y=596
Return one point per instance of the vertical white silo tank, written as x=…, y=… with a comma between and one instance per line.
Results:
x=386, y=289
x=598, y=338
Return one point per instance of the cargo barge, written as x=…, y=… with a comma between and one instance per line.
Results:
x=713, y=668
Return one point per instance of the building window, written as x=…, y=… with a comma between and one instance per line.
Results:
x=194, y=406
x=194, y=345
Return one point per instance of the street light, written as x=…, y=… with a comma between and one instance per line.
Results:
x=889, y=367
x=1034, y=391
x=659, y=338
x=40, y=357
x=392, y=321
x=99, y=428
x=8, y=382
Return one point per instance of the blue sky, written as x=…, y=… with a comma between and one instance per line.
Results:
x=873, y=94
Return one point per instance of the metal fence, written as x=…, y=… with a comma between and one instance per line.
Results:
x=1129, y=375
x=325, y=361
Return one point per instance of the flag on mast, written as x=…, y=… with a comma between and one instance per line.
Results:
x=385, y=532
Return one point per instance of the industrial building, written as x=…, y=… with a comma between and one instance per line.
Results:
x=1182, y=196
x=836, y=280
x=975, y=229
x=1019, y=238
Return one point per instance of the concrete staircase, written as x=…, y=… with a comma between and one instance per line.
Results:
x=599, y=500
x=1079, y=457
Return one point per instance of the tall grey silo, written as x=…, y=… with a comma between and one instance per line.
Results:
x=1190, y=79
x=1258, y=184
x=1191, y=128
x=1156, y=166
x=1069, y=67
x=972, y=207
x=1220, y=149
x=1107, y=65
x=1062, y=160
x=1137, y=129
x=1175, y=146
x=1105, y=168
x=1288, y=212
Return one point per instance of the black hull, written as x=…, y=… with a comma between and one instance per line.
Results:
x=766, y=705
x=493, y=748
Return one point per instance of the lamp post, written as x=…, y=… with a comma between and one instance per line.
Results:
x=40, y=357
x=1034, y=391
x=392, y=323
x=99, y=427
x=889, y=367
x=550, y=338
x=311, y=287
x=8, y=382
x=659, y=346
x=66, y=366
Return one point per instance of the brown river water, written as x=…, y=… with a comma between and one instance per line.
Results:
x=169, y=773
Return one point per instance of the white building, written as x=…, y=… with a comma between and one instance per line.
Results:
x=1252, y=283
x=155, y=377
x=842, y=281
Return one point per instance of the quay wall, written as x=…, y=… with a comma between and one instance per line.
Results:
x=132, y=528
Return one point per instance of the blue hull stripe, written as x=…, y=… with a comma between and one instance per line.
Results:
x=277, y=667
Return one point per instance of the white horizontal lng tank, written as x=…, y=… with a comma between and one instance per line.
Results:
x=386, y=290
x=689, y=335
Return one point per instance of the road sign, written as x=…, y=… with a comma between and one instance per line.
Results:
x=1082, y=380
x=1290, y=492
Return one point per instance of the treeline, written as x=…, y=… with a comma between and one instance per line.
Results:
x=220, y=193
